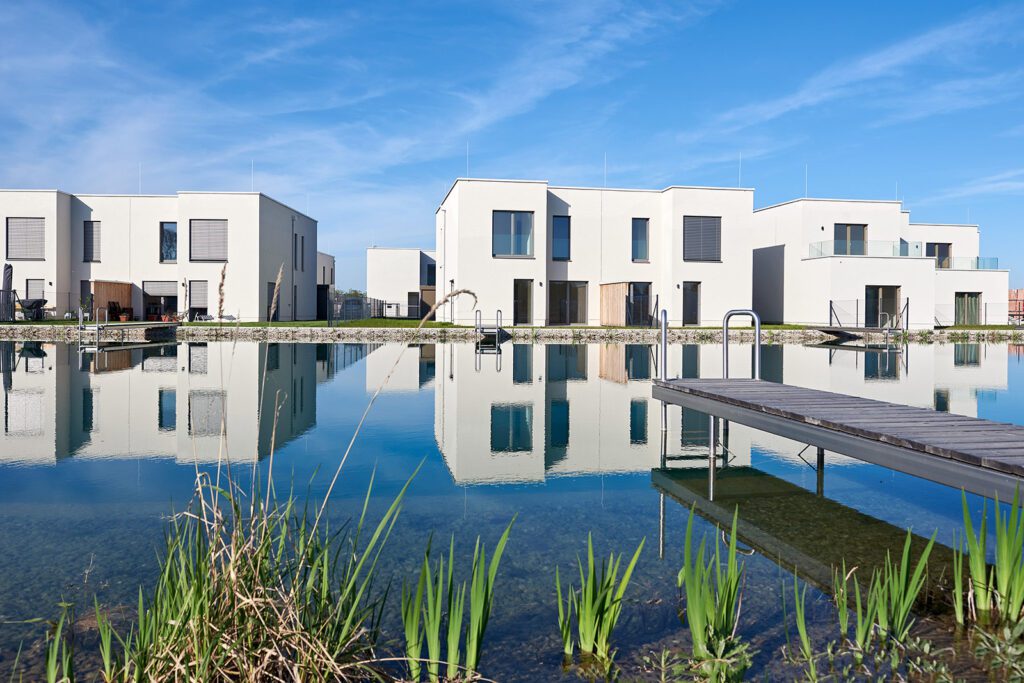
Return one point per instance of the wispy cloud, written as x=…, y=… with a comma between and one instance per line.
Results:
x=951, y=44
x=1010, y=182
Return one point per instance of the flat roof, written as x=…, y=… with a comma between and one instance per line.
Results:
x=586, y=187
x=162, y=196
x=825, y=199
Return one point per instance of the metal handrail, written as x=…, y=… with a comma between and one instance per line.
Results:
x=106, y=319
x=497, y=329
x=757, y=340
x=479, y=320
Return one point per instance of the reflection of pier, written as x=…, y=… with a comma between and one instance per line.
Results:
x=791, y=525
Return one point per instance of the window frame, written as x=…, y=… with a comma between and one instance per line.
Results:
x=647, y=239
x=160, y=242
x=533, y=233
x=848, y=229
x=568, y=238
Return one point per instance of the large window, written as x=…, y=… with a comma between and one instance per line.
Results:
x=431, y=275
x=702, y=238
x=850, y=239
x=560, y=238
x=941, y=252
x=638, y=304
x=641, y=251
x=567, y=302
x=511, y=427
x=26, y=239
x=512, y=234
x=91, y=241
x=168, y=242
x=208, y=240
x=35, y=289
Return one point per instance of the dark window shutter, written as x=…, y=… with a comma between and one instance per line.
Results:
x=91, y=241
x=26, y=239
x=208, y=240
x=702, y=238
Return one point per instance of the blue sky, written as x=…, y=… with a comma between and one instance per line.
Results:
x=362, y=112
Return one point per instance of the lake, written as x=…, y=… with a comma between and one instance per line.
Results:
x=98, y=449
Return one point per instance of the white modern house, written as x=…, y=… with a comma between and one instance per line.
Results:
x=546, y=255
x=856, y=263
x=160, y=255
x=403, y=280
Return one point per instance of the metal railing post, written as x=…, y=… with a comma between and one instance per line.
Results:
x=757, y=340
x=664, y=344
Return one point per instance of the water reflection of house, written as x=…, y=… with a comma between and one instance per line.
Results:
x=410, y=367
x=535, y=411
x=186, y=401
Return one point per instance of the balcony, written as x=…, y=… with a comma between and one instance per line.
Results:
x=899, y=248
x=866, y=248
x=968, y=263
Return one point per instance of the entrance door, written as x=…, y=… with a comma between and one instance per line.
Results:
x=881, y=305
x=967, y=308
x=691, y=303
x=522, y=302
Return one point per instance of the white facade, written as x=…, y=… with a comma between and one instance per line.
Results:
x=398, y=277
x=804, y=275
x=600, y=251
x=249, y=233
x=325, y=269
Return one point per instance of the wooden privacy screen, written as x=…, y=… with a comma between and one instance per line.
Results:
x=105, y=291
x=613, y=303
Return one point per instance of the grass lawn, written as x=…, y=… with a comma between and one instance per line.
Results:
x=368, y=322
x=983, y=327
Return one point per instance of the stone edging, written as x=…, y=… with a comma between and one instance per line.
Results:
x=69, y=333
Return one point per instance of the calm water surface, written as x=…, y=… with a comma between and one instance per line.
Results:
x=96, y=451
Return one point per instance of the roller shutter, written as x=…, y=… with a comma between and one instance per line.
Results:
x=702, y=238
x=26, y=239
x=198, y=294
x=91, y=241
x=208, y=240
x=159, y=288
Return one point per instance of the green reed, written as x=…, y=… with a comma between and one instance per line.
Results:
x=597, y=603
x=799, y=611
x=995, y=592
x=565, y=611
x=898, y=588
x=713, y=600
x=443, y=612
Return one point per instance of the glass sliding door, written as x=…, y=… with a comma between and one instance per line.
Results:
x=881, y=306
x=850, y=240
x=567, y=303
x=638, y=304
x=967, y=308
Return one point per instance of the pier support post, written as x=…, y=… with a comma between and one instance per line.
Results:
x=821, y=471
x=661, y=526
x=712, y=454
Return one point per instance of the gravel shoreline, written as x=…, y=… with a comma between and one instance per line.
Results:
x=569, y=335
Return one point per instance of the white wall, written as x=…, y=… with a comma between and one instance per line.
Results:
x=325, y=269
x=53, y=207
x=391, y=274
x=600, y=249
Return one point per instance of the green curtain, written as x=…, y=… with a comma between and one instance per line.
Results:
x=968, y=309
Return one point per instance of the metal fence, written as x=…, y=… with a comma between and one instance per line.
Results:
x=986, y=314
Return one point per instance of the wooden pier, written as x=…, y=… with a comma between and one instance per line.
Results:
x=980, y=456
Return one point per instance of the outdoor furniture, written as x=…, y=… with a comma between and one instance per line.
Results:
x=33, y=308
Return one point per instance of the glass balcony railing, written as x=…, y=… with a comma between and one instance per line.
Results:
x=969, y=263
x=899, y=248
x=866, y=248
